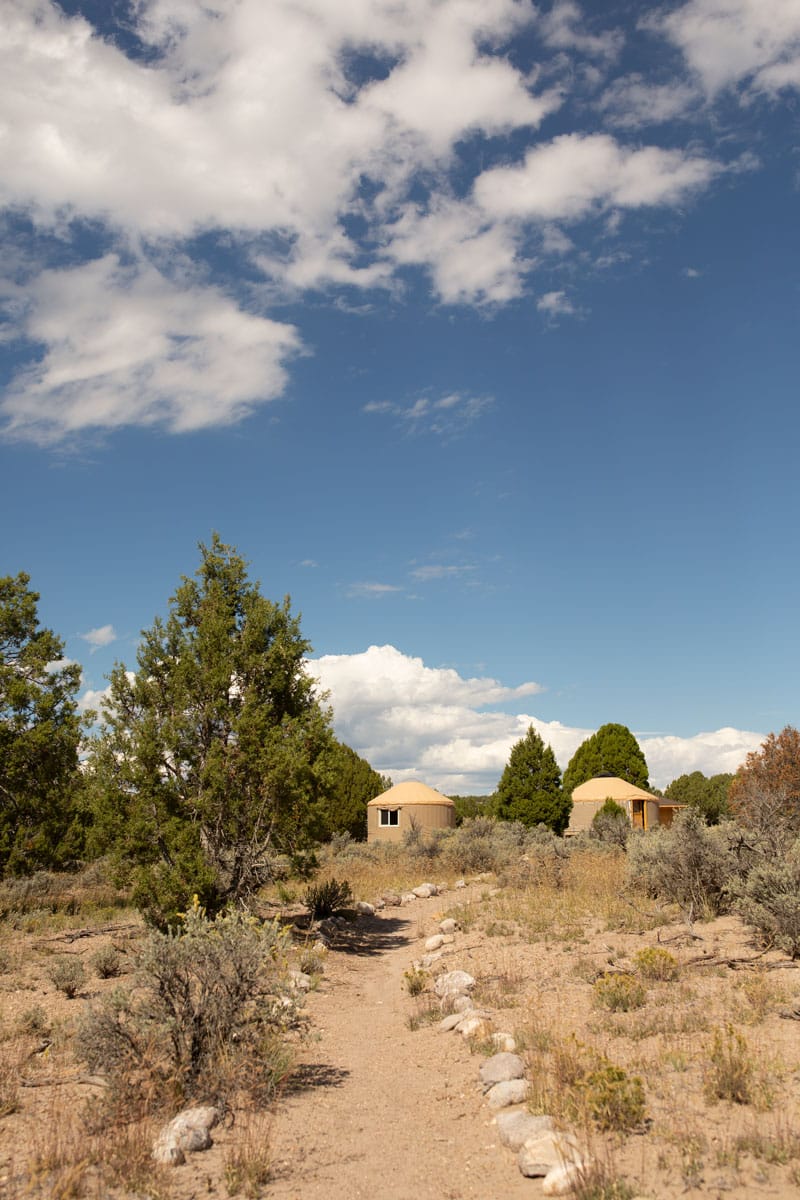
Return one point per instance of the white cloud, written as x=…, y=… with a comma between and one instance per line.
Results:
x=633, y=101
x=412, y=721
x=446, y=416
x=104, y=635
x=371, y=591
x=728, y=41
x=440, y=571
x=564, y=28
x=555, y=304
x=712, y=753
x=123, y=345
x=574, y=174
x=287, y=127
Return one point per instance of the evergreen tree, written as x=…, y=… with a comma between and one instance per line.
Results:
x=613, y=750
x=39, y=735
x=347, y=783
x=530, y=786
x=204, y=770
x=708, y=795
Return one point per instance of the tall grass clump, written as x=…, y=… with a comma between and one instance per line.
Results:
x=204, y=1018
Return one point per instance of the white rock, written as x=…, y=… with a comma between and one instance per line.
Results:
x=503, y=1095
x=516, y=1128
x=541, y=1154
x=408, y=898
x=300, y=981
x=562, y=1180
x=189, y=1131
x=474, y=1027
x=447, y=939
x=428, y=960
x=451, y=1022
x=453, y=983
x=365, y=909
x=378, y=904
x=460, y=883
x=435, y=942
x=501, y=1067
x=460, y=1004
x=448, y=925
x=504, y=1042
x=425, y=891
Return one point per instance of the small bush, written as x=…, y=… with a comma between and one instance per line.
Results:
x=730, y=1069
x=619, y=993
x=416, y=981
x=34, y=1022
x=614, y=1099
x=68, y=975
x=688, y=863
x=768, y=899
x=106, y=962
x=324, y=899
x=578, y=1083
x=205, y=1015
x=610, y=824
x=654, y=963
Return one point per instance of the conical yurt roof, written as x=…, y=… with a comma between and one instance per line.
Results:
x=410, y=792
x=605, y=787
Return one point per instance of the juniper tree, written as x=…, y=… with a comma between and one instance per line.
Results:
x=204, y=769
x=530, y=786
x=39, y=735
x=613, y=750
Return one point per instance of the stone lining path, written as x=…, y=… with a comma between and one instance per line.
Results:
x=379, y=1111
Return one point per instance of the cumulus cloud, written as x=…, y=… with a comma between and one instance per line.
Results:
x=564, y=28
x=726, y=42
x=574, y=174
x=556, y=304
x=633, y=101
x=123, y=345
x=104, y=635
x=332, y=146
x=414, y=721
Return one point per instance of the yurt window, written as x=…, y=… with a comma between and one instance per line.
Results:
x=389, y=816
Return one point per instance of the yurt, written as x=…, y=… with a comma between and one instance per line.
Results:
x=642, y=807
x=408, y=806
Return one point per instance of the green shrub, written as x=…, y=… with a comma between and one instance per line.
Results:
x=610, y=824
x=68, y=975
x=688, y=863
x=619, y=993
x=654, y=963
x=106, y=962
x=768, y=899
x=324, y=899
x=614, y=1099
x=205, y=1015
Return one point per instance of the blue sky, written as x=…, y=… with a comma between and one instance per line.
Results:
x=471, y=323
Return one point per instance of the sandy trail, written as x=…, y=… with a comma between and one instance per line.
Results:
x=377, y=1110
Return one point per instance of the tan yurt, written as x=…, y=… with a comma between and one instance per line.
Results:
x=641, y=806
x=408, y=806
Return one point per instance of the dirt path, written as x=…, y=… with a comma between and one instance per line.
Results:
x=380, y=1111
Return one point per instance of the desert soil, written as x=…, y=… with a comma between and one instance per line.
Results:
x=378, y=1110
